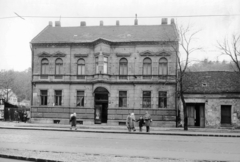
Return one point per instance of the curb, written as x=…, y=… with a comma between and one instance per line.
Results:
x=26, y=158
x=116, y=132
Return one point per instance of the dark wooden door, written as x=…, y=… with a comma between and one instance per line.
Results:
x=226, y=114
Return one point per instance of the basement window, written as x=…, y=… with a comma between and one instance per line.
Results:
x=204, y=84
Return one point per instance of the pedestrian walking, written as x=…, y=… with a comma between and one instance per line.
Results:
x=130, y=122
x=73, y=121
x=147, y=120
x=25, y=116
x=141, y=123
x=16, y=118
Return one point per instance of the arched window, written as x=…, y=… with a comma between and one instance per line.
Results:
x=81, y=69
x=147, y=68
x=44, y=66
x=123, y=68
x=163, y=66
x=59, y=68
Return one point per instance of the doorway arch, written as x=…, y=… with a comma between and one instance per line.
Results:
x=101, y=96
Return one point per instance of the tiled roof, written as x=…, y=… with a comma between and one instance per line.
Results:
x=211, y=82
x=87, y=34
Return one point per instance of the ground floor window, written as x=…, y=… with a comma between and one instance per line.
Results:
x=162, y=99
x=122, y=98
x=80, y=98
x=44, y=97
x=58, y=97
x=146, y=101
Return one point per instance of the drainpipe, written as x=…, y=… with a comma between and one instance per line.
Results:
x=31, y=81
x=176, y=95
x=70, y=76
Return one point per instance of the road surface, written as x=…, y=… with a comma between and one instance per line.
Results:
x=73, y=145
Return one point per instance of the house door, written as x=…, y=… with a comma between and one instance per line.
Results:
x=226, y=114
x=101, y=105
x=196, y=114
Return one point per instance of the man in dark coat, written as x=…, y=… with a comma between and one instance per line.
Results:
x=73, y=121
x=147, y=120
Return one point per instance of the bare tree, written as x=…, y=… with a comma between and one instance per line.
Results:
x=183, y=52
x=232, y=49
x=6, y=84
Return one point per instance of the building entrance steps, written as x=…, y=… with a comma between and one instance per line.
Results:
x=103, y=128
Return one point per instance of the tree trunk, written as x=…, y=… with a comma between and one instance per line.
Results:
x=184, y=112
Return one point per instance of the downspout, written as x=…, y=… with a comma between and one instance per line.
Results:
x=31, y=81
x=70, y=79
x=176, y=94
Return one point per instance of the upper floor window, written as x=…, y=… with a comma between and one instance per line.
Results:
x=146, y=102
x=44, y=68
x=58, y=97
x=58, y=68
x=44, y=65
x=163, y=66
x=96, y=63
x=123, y=68
x=162, y=99
x=122, y=98
x=147, y=68
x=44, y=97
x=81, y=69
x=80, y=98
x=105, y=65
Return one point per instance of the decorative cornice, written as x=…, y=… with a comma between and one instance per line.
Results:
x=59, y=54
x=123, y=54
x=81, y=55
x=44, y=54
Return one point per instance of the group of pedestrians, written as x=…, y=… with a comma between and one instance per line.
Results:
x=143, y=120
x=21, y=116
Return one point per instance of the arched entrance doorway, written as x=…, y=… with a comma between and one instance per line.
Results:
x=101, y=105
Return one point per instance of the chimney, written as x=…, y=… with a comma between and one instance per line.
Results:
x=101, y=23
x=117, y=23
x=164, y=20
x=50, y=23
x=82, y=23
x=172, y=21
x=57, y=23
x=136, y=20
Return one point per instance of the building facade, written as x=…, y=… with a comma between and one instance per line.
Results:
x=212, y=98
x=103, y=73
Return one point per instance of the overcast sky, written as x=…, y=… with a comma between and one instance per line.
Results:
x=16, y=33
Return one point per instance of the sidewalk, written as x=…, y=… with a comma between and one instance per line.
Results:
x=122, y=129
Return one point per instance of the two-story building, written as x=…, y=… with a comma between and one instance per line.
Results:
x=103, y=73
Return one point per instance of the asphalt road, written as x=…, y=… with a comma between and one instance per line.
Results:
x=179, y=148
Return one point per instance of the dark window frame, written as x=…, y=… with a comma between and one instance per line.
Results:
x=162, y=99
x=146, y=99
x=78, y=96
x=122, y=98
x=58, y=98
x=43, y=97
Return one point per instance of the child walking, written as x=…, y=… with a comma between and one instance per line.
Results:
x=141, y=123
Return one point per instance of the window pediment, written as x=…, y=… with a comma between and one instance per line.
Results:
x=44, y=54
x=81, y=55
x=59, y=54
x=123, y=54
x=159, y=53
